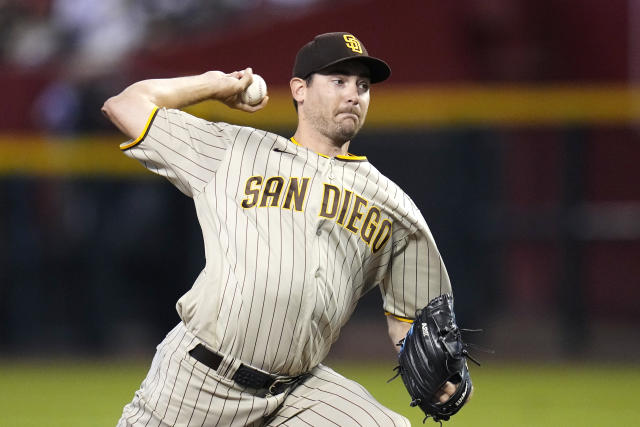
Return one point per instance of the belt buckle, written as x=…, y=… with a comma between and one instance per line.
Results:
x=277, y=382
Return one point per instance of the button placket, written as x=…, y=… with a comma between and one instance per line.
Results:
x=331, y=162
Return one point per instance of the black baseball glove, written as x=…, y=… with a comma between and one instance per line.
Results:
x=431, y=354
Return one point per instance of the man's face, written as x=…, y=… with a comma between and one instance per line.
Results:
x=337, y=100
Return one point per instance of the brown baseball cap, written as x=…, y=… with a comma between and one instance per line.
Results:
x=333, y=48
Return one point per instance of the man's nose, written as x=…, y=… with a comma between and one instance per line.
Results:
x=353, y=95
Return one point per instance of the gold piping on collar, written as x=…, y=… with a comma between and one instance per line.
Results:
x=348, y=156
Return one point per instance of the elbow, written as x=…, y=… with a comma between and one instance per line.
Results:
x=119, y=112
x=109, y=108
x=118, y=108
x=129, y=110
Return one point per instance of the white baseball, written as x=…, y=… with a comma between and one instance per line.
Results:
x=256, y=91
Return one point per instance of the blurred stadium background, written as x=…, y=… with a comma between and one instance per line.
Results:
x=512, y=123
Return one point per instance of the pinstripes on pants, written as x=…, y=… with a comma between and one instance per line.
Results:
x=180, y=391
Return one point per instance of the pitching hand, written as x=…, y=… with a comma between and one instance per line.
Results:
x=231, y=87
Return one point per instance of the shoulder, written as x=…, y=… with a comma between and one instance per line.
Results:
x=246, y=135
x=384, y=188
x=393, y=199
x=182, y=119
x=233, y=134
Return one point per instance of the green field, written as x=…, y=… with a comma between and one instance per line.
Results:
x=70, y=394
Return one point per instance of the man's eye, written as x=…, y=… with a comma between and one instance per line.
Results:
x=338, y=81
x=364, y=86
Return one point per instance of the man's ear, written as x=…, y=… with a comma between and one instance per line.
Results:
x=298, y=89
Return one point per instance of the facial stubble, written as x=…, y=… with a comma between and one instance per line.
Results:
x=337, y=130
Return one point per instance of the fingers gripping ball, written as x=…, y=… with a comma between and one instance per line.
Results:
x=433, y=353
x=256, y=91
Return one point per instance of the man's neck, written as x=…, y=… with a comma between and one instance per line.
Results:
x=321, y=144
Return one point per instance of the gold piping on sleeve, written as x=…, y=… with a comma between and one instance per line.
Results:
x=402, y=319
x=129, y=144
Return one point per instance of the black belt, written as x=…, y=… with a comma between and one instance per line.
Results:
x=245, y=375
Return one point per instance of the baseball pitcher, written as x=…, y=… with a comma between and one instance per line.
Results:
x=296, y=230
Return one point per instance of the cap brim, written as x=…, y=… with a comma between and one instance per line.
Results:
x=378, y=69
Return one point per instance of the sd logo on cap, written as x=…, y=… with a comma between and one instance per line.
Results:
x=333, y=48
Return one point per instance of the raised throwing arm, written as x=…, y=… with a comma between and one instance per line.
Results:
x=130, y=109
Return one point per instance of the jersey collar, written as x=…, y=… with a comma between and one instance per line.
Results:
x=348, y=157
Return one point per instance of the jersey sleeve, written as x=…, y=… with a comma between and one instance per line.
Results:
x=183, y=148
x=416, y=275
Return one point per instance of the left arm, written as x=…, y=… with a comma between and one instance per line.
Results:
x=422, y=271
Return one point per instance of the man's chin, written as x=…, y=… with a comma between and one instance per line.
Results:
x=348, y=131
x=345, y=136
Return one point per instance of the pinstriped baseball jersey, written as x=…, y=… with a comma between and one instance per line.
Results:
x=292, y=239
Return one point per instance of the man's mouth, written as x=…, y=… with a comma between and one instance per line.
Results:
x=352, y=114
